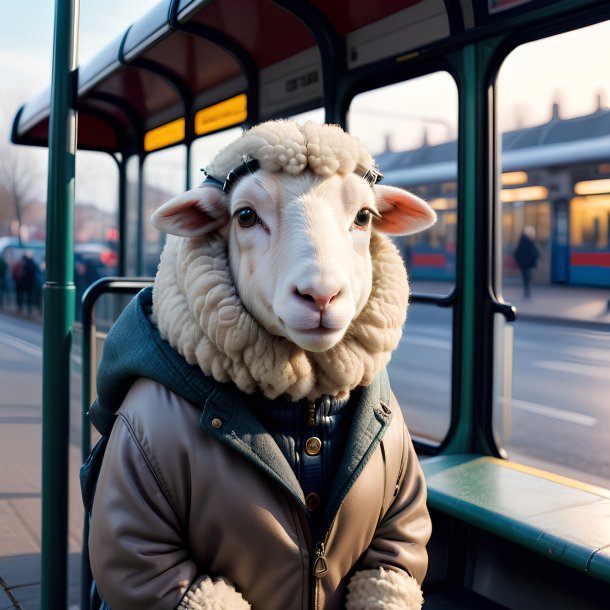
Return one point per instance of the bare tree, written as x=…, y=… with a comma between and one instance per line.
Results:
x=20, y=171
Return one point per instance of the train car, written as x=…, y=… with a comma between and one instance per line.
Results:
x=512, y=438
x=554, y=179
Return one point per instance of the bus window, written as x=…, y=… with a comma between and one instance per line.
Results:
x=554, y=207
x=411, y=130
x=204, y=149
x=96, y=220
x=133, y=169
x=164, y=178
x=316, y=115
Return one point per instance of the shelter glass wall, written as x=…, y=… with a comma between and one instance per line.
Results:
x=552, y=381
x=204, y=149
x=164, y=178
x=96, y=220
x=132, y=201
x=411, y=128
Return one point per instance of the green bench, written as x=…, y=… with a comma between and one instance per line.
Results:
x=522, y=534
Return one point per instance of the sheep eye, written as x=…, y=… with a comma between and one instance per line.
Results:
x=247, y=217
x=363, y=219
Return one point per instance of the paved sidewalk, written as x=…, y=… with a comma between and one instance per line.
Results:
x=20, y=473
x=548, y=303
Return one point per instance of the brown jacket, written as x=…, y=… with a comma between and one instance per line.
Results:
x=183, y=493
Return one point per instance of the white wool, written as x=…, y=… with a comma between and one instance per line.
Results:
x=208, y=594
x=289, y=147
x=383, y=590
x=200, y=314
x=198, y=309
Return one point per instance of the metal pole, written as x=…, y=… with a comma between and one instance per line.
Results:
x=122, y=259
x=140, y=220
x=59, y=294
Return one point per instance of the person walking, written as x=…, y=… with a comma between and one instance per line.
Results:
x=31, y=279
x=526, y=255
x=3, y=283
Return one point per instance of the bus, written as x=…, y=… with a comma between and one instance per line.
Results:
x=505, y=394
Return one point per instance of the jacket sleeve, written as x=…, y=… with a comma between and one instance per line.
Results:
x=393, y=567
x=138, y=559
x=137, y=552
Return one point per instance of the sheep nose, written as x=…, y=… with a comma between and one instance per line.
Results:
x=321, y=297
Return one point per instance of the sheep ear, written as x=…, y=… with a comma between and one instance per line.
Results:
x=402, y=212
x=196, y=212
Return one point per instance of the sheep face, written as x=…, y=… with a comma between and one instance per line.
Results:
x=298, y=226
x=298, y=245
x=299, y=253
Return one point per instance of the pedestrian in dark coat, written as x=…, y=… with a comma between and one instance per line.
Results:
x=3, y=286
x=526, y=255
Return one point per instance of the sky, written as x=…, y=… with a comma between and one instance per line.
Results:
x=26, y=42
x=571, y=70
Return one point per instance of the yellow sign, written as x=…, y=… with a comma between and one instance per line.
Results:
x=224, y=114
x=514, y=178
x=525, y=193
x=592, y=187
x=165, y=135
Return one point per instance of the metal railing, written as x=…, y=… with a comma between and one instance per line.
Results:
x=104, y=286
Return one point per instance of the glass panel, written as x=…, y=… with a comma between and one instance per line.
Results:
x=555, y=207
x=411, y=129
x=164, y=178
x=132, y=202
x=420, y=371
x=203, y=150
x=96, y=221
x=316, y=115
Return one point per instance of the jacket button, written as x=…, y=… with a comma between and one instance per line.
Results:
x=216, y=423
x=312, y=501
x=313, y=445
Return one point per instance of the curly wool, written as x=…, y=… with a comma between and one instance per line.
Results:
x=289, y=147
x=208, y=594
x=198, y=311
x=383, y=590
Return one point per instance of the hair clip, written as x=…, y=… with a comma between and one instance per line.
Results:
x=373, y=175
x=248, y=166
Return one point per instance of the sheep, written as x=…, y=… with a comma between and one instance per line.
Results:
x=278, y=283
x=309, y=271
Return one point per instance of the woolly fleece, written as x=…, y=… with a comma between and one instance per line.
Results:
x=383, y=590
x=289, y=147
x=198, y=311
x=208, y=594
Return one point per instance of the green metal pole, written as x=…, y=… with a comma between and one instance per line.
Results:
x=140, y=220
x=469, y=175
x=59, y=295
x=122, y=259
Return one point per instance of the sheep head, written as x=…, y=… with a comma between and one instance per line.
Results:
x=297, y=217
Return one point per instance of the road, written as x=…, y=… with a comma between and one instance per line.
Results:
x=560, y=407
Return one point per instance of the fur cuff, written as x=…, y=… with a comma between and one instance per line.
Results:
x=383, y=590
x=208, y=594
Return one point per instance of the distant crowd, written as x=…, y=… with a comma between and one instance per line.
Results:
x=24, y=280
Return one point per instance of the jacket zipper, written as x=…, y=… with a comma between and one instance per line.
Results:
x=320, y=567
x=320, y=563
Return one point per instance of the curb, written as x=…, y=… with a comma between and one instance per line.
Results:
x=600, y=325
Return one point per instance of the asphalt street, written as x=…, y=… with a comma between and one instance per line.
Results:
x=557, y=410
